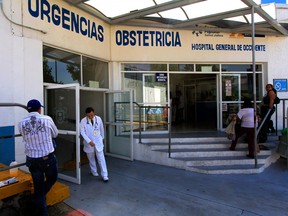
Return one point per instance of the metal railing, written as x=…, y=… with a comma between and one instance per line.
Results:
x=282, y=111
x=284, y=123
x=262, y=122
x=12, y=136
x=144, y=118
x=167, y=121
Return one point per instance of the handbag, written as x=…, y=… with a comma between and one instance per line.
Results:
x=230, y=130
x=276, y=100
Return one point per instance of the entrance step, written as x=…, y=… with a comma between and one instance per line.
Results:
x=211, y=155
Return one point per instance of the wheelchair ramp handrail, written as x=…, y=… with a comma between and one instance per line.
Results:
x=263, y=121
x=13, y=104
x=10, y=136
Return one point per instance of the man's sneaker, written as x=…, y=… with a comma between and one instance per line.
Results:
x=94, y=174
x=105, y=179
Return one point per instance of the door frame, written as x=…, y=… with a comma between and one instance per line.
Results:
x=76, y=87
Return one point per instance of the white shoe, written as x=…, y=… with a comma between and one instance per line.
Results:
x=105, y=179
x=94, y=174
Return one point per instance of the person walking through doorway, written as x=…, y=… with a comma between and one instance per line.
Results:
x=92, y=131
x=246, y=115
x=37, y=131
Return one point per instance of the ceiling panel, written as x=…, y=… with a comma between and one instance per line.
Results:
x=210, y=15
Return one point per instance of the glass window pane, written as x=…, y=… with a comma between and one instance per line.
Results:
x=60, y=66
x=181, y=67
x=154, y=92
x=231, y=87
x=240, y=67
x=133, y=81
x=146, y=88
x=61, y=107
x=66, y=153
x=207, y=67
x=247, y=86
x=95, y=73
x=144, y=67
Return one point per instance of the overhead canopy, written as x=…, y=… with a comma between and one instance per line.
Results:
x=233, y=16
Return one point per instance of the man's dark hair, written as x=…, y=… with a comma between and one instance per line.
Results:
x=33, y=110
x=89, y=109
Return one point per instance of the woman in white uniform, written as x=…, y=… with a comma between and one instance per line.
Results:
x=92, y=131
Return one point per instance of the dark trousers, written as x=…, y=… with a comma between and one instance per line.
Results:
x=44, y=174
x=264, y=111
x=262, y=137
x=250, y=138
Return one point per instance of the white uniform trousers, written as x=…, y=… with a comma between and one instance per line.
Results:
x=101, y=161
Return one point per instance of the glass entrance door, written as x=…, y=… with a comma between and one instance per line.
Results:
x=66, y=103
x=119, y=124
x=61, y=103
x=231, y=96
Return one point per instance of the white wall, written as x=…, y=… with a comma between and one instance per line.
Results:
x=277, y=68
x=21, y=75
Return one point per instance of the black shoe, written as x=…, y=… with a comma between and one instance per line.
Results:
x=250, y=156
x=232, y=149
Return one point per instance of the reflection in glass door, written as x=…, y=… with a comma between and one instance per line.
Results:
x=154, y=93
x=119, y=124
x=61, y=105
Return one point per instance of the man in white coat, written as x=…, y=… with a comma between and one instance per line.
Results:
x=92, y=131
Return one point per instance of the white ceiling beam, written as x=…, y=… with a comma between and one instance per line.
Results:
x=151, y=10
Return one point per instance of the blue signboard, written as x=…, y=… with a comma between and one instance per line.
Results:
x=280, y=85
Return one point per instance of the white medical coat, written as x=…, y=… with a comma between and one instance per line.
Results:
x=93, y=133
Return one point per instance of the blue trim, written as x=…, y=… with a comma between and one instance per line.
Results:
x=7, y=145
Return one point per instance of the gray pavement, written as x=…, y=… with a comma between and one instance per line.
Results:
x=138, y=188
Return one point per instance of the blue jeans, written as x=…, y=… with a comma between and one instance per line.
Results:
x=44, y=174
